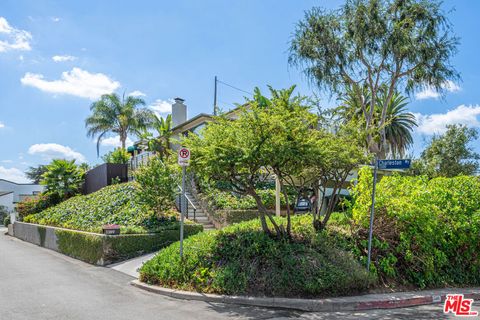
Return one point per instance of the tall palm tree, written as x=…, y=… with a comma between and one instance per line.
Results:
x=122, y=116
x=161, y=143
x=399, y=122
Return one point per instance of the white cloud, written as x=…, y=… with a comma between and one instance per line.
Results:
x=7, y=161
x=430, y=93
x=2, y=125
x=436, y=123
x=137, y=93
x=13, y=174
x=162, y=106
x=54, y=151
x=62, y=58
x=55, y=19
x=12, y=38
x=76, y=82
x=114, y=142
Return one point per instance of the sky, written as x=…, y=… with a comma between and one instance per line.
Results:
x=57, y=57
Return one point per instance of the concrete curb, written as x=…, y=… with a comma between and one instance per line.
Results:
x=354, y=303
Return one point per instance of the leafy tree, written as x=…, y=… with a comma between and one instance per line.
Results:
x=367, y=45
x=289, y=123
x=118, y=155
x=158, y=183
x=63, y=178
x=35, y=173
x=450, y=155
x=230, y=152
x=399, y=123
x=122, y=116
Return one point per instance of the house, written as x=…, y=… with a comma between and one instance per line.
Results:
x=12, y=192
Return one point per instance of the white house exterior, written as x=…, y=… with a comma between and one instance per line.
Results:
x=12, y=192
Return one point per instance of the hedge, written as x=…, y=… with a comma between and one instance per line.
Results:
x=426, y=231
x=102, y=249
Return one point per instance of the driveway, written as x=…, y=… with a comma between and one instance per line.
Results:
x=37, y=283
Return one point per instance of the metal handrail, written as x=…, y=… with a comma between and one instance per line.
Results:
x=191, y=203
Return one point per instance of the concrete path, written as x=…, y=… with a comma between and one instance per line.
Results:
x=130, y=267
x=38, y=284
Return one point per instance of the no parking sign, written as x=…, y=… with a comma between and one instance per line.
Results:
x=183, y=157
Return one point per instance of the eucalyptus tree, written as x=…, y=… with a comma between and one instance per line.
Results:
x=122, y=116
x=402, y=45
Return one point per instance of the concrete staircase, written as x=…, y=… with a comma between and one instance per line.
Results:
x=200, y=215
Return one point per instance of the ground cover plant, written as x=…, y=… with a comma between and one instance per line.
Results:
x=242, y=259
x=116, y=204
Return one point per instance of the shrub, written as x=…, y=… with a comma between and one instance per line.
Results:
x=118, y=155
x=241, y=259
x=3, y=212
x=426, y=231
x=6, y=220
x=226, y=200
x=116, y=204
x=32, y=205
x=157, y=184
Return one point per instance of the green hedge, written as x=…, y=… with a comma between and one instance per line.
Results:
x=427, y=232
x=226, y=200
x=101, y=249
x=226, y=217
x=242, y=259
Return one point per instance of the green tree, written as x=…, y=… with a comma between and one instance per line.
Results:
x=118, y=155
x=122, y=116
x=158, y=183
x=63, y=178
x=230, y=153
x=35, y=173
x=450, y=155
x=400, y=45
x=399, y=123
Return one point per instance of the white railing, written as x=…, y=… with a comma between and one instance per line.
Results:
x=138, y=161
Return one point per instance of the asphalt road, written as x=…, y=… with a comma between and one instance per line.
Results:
x=37, y=283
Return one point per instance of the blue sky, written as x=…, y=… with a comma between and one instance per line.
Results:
x=56, y=57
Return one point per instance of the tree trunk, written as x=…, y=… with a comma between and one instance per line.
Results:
x=263, y=214
x=123, y=139
x=289, y=220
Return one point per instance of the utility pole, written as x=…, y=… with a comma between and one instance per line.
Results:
x=372, y=213
x=215, y=98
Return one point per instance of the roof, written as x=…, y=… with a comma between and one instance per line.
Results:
x=4, y=193
x=186, y=124
x=20, y=184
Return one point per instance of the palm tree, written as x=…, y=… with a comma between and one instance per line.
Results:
x=399, y=125
x=161, y=143
x=122, y=116
x=399, y=122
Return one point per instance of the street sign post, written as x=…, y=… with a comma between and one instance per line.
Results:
x=395, y=164
x=184, y=161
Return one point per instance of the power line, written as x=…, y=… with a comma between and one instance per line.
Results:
x=233, y=87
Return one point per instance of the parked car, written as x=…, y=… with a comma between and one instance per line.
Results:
x=303, y=205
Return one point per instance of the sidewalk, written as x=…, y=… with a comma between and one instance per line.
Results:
x=131, y=266
x=353, y=303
